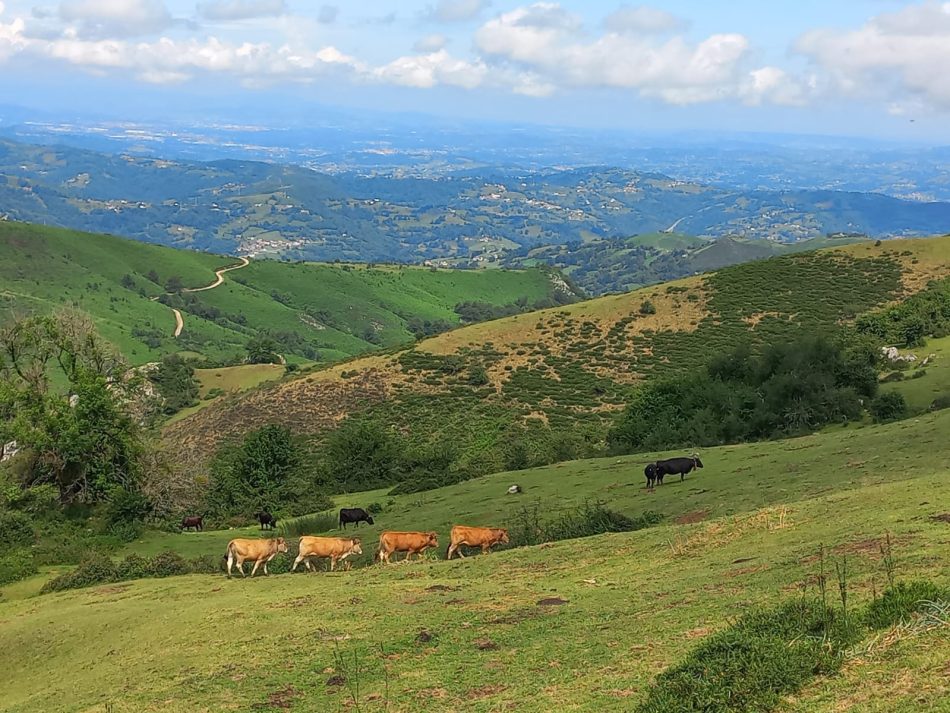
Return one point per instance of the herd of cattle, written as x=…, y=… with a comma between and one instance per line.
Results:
x=336, y=549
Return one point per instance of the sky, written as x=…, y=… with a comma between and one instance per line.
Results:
x=874, y=68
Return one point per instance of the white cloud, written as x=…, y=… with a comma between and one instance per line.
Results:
x=643, y=19
x=545, y=39
x=429, y=70
x=899, y=57
x=230, y=10
x=430, y=43
x=456, y=10
x=115, y=18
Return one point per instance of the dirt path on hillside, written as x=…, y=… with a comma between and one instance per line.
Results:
x=219, y=274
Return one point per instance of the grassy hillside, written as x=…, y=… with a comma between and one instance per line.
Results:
x=578, y=625
x=317, y=312
x=621, y=264
x=570, y=368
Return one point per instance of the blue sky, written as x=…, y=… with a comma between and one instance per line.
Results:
x=858, y=67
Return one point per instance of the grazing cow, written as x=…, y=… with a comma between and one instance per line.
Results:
x=483, y=537
x=355, y=515
x=265, y=518
x=336, y=548
x=412, y=543
x=256, y=551
x=195, y=521
x=514, y=490
x=650, y=473
x=672, y=466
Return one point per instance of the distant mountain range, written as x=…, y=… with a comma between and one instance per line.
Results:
x=286, y=211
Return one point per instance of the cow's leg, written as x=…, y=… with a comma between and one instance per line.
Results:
x=240, y=566
x=332, y=563
x=296, y=562
x=257, y=563
x=485, y=549
x=451, y=551
x=230, y=562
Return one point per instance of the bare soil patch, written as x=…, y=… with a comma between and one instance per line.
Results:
x=692, y=517
x=485, y=691
x=283, y=698
x=551, y=602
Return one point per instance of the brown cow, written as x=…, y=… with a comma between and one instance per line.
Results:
x=256, y=551
x=483, y=537
x=336, y=548
x=412, y=543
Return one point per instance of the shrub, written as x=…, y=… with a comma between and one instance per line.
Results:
x=902, y=600
x=168, y=564
x=477, y=376
x=753, y=664
x=206, y=564
x=38, y=500
x=97, y=569
x=941, y=402
x=15, y=565
x=647, y=307
x=530, y=526
x=133, y=567
x=126, y=506
x=374, y=508
x=889, y=406
x=16, y=529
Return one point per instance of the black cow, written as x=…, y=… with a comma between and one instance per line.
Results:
x=265, y=518
x=672, y=466
x=650, y=473
x=354, y=515
x=193, y=521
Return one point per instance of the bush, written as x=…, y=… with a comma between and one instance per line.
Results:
x=38, y=500
x=941, y=402
x=647, y=307
x=889, y=406
x=175, y=381
x=529, y=526
x=133, y=567
x=97, y=569
x=15, y=565
x=16, y=529
x=126, y=506
x=206, y=564
x=168, y=564
x=374, y=508
x=753, y=664
x=902, y=600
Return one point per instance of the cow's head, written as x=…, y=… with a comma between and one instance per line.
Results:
x=369, y=519
x=281, y=544
x=433, y=539
x=355, y=546
x=699, y=463
x=503, y=536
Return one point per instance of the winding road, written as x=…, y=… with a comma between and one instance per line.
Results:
x=219, y=274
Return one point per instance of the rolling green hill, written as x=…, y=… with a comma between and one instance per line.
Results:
x=557, y=377
x=622, y=264
x=581, y=625
x=316, y=312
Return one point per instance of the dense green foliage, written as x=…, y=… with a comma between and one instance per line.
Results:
x=889, y=406
x=100, y=569
x=262, y=473
x=788, y=389
x=908, y=324
x=82, y=439
x=175, y=380
x=752, y=664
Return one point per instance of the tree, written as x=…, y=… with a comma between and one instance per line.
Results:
x=260, y=474
x=361, y=455
x=175, y=380
x=80, y=438
x=174, y=284
x=262, y=349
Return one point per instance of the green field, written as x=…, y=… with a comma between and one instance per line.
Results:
x=745, y=530
x=318, y=312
